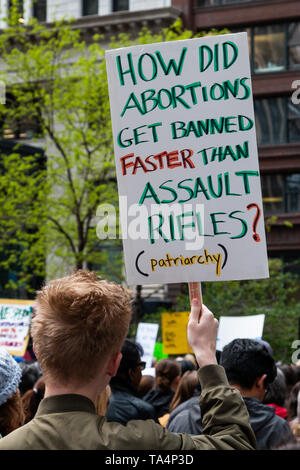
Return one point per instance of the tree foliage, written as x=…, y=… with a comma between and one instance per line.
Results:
x=57, y=80
x=278, y=298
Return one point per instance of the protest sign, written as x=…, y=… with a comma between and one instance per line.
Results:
x=146, y=335
x=186, y=161
x=230, y=328
x=15, y=319
x=174, y=337
x=158, y=352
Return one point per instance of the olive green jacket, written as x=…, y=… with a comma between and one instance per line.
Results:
x=69, y=422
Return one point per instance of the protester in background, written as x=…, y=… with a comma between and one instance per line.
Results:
x=186, y=389
x=32, y=398
x=186, y=365
x=295, y=423
x=276, y=394
x=297, y=372
x=31, y=372
x=250, y=368
x=78, y=330
x=290, y=379
x=145, y=385
x=11, y=409
x=192, y=359
x=125, y=403
x=167, y=376
x=292, y=406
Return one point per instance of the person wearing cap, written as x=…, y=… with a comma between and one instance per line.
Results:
x=11, y=408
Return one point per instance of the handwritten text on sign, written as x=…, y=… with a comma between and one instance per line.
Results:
x=186, y=158
x=14, y=327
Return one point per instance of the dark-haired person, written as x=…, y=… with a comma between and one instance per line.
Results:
x=250, y=368
x=125, y=403
x=78, y=331
x=167, y=377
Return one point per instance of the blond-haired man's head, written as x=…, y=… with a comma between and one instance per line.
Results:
x=80, y=320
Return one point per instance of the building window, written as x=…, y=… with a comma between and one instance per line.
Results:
x=277, y=121
x=269, y=42
x=215, y=3
x=15, y=11
x=89, y=7
x=281, y=193
x=39, y=10
x=120, y=5
x=273, y=47
x=294, y=45
x=270, y=119
x=293, y=122
x=14, y=127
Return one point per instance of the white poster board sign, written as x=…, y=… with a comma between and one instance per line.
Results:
x=15, y=319
x=146, y=335
x=186, y=160
x=231, y=328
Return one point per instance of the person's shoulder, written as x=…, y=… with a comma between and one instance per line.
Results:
x=16, y=440
x=139, y=435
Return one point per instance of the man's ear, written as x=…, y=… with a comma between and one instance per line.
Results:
x=113, y=364
x=259, y=383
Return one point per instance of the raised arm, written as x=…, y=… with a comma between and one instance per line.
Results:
x=225, y=418
x=202, y=334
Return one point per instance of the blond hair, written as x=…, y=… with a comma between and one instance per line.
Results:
x=79, y=321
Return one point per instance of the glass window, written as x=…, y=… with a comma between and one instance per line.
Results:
x=281, y=193
x=272, y=192
x=89, y=7
x=40, y=10
x=294, y=45
x=14, y=127
x=292, y=193
x=120, y=5
x=270, y=119
x=293, y=118
x=269, y=48
x=16, y=7
x=214, y=3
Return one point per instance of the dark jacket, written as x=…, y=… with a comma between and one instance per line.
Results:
x=270, y=430
x=70, y=422
x=125, y=404
x=160, y=400
x=186, y=417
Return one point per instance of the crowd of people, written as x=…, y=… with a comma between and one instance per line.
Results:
x=86, y=386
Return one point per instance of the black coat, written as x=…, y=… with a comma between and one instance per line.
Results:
x=160, y=400
x=270, y=430
x=125, y=404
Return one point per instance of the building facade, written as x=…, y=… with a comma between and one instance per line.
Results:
x=273, y=28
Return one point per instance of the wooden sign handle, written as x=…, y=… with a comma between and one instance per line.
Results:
x=195, y=291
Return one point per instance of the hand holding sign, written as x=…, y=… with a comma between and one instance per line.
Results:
x=195, y=292
x=202, y=333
